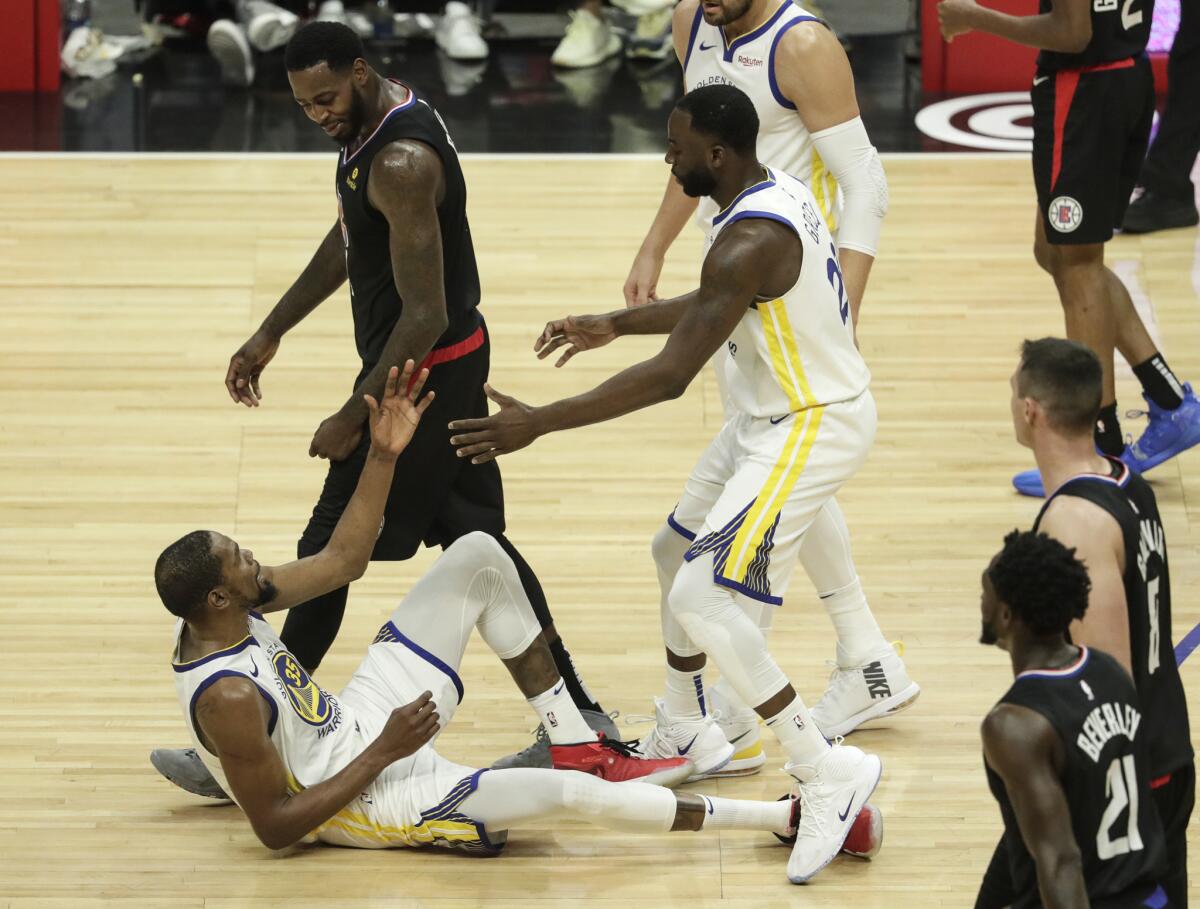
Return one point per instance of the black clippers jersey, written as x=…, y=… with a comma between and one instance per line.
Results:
x=1093, y=707
x=1130, y=500
x=1120, y=29
x=373, y=295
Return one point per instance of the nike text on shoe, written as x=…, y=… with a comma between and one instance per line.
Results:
x=616, y=762
x=1168, y=433
x=698, y=739
x=183, y=767
x=863, y=690
x=832, y=793
x=864, y=840
x=538, y=754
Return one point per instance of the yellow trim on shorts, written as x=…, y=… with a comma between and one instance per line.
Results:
x=774, y=493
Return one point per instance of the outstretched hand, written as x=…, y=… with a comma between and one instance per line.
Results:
x=394, y=419
x=509, y=429
x=580, y=332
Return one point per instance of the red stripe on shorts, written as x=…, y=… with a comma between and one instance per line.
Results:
x=468, y=345
x=1065, y=83
x=1159, y=782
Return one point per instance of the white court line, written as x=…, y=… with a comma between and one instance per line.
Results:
x=466, y=156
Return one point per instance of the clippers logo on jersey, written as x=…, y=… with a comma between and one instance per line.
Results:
x=1065, y=214
x=308, y=700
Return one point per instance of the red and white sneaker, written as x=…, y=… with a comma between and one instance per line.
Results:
x=866, y=833
x=616, y=762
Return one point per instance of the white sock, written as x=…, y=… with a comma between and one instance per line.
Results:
x=798, y=734
x=739, y=814
x=857, y=630
x=563, y=721
x=685, y=693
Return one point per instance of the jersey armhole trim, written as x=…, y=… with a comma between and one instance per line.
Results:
x=216, y=654
x=779, y=98
x=227, y=673
x=692, y=37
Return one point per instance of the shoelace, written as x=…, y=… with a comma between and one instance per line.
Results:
x=813, y=804
x=625, y=749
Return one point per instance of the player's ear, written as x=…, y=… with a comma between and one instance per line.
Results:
x=218, y=598
x=358, y=71
x=1031, y=409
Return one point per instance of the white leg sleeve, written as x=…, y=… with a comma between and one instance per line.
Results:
x=712, y=618
x=668, y=547
x=473, y=584
x=825, y=551
x=526, y=796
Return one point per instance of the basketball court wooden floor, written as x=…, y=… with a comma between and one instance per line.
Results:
x=125, y=284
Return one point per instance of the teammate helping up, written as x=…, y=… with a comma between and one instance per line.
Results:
x=772, y=299
x=795, y=72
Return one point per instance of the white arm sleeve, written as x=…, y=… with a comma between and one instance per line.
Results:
x=851, y=158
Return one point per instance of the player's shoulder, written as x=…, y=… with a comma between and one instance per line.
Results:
x=1008, y=730
x=231, y=691
x=811, y=42
x=1073, y=518
x=682, y=19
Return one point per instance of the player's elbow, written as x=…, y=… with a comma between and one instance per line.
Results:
x=275, y=840
x=673, y=386
x=1058, y=865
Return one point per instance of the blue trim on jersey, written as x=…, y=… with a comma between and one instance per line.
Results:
x=680, y=529
x=412, y=99
x=225, y=673
x=1185, y=647
x=1157, y=899
x=783, y=102
x=743, y=40
x=764, y=215
x=216, y=654
x=428, y=657
x=746, y=591
x=749, y=191
x=692, y=37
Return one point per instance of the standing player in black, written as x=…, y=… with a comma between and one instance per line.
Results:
x=1064, y=749
x=1093, y=100
x=403, y=241
x=1108, y=514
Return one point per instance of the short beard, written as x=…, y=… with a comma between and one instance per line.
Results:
x=732, y=16
x=987, y=634
x=355, y=120
x=266, y=593
x=697, y=184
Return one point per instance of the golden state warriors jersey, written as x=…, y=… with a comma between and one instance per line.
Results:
x=795, y=352
x=748, y=62
x=414, y=802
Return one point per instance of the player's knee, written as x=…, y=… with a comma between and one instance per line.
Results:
x=477, y=548
x=584, y=794
x=667, y=547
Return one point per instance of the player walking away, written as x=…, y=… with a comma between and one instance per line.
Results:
x=794, y=70
x=403, y=241
x=1093, y=100
x=359, y=768
x=771, y=297
x=1109, y=515
x=1065, y=749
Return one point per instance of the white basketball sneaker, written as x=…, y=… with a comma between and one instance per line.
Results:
x=863, y=690
x=739, y=725
x=698, y=739
x=831, y=796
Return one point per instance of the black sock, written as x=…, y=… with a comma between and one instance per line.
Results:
x=566, y=668
x=1108, y=432
x=1160, y=384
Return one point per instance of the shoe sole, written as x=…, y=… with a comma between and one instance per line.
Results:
x=886, y=707
x=231, y=58
x=186, y=785
x=670, y=777
x=268, y=32
x=1151, y=463
x=710, y=768
x=876, y=837
x=855, y=807
x=588, y=62
x=747, y=762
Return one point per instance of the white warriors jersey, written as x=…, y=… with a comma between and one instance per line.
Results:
x=797, y=351
x=748, y=62
x=317, y=734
